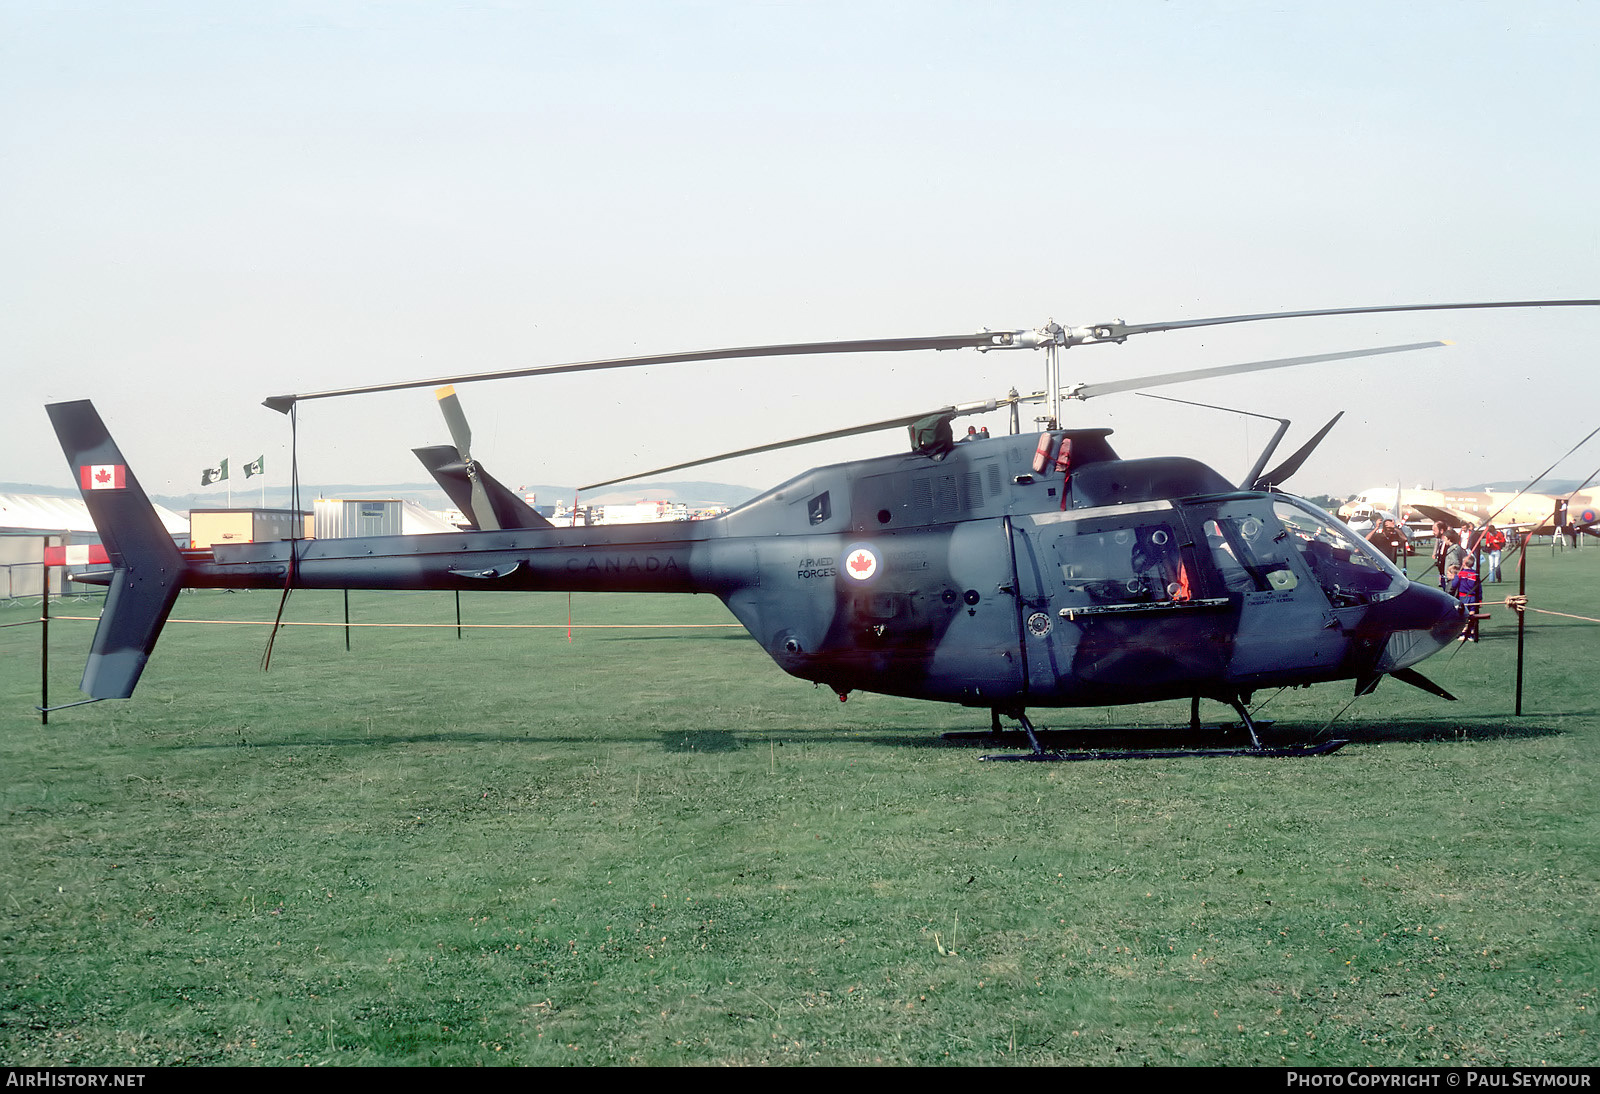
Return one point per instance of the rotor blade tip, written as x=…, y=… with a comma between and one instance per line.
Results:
x=1447, y=341
x=444, y=392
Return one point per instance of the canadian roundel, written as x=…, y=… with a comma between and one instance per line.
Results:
x=861, y=563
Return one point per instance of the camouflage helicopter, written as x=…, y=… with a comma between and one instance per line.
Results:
x=1001, y=573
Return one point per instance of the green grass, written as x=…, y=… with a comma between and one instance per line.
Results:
x=655, y=847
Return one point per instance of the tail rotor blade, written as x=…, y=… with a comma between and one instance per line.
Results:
x=461, y=433
x=456, y=419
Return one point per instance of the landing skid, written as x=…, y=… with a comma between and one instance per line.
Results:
x=1284, y=751
x=1075, y=738
x=1038, y=740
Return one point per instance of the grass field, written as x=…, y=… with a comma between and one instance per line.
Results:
x=652, y=846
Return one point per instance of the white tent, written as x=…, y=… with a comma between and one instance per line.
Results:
x=31, y=522
x=40, y=513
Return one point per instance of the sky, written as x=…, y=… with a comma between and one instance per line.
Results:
x=206, y=204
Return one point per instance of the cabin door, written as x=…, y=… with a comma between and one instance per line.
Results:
x=1113, y=608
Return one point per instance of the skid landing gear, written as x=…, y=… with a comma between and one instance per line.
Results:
x=1087, y=750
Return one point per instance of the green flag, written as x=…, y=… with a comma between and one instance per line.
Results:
x=257, y=466
x=214, y=474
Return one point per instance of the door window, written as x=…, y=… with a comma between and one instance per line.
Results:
x=1127, y=565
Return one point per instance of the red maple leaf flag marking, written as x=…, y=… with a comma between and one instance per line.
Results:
x=110, y=476
x=861, y=564
x=103, y=476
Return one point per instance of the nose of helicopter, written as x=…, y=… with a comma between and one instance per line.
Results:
x=1419, y=623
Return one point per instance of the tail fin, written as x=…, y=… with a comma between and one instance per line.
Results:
x=147, y=568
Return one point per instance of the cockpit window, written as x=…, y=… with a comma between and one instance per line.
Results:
x=1254, y=545
x=1348, y=569
x=1249, y=555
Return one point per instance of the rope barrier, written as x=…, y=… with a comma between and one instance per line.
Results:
x=1563, y=615
x=1519, y=603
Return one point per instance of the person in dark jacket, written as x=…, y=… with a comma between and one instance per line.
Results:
x=1441, y=550
x=1389, y=540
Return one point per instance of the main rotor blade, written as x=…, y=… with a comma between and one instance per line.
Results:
x=1050, y=334
x=1116, y=332
x=1081, y=391
x=957, y=411
x=1089, y=391
x=1021, y=339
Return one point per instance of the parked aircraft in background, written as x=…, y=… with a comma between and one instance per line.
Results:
x=1457, y=507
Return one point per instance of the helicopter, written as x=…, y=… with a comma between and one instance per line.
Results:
x=1001, y=573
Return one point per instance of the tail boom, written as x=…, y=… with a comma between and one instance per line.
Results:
x=148, y=570
x=673, y=558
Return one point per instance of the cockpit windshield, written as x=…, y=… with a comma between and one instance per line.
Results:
x=1253, y=545
x=1349, y=570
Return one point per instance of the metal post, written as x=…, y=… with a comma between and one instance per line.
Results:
x=458, y=615
x=347, y=621
x=44, y=650
x=1522, y=617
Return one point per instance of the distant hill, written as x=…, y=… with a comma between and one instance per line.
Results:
x=695, y=494
x=33, y=488
x=1548, y=486
x=426, y=494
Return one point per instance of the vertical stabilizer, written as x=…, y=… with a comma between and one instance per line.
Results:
x=147, y=566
